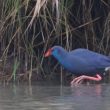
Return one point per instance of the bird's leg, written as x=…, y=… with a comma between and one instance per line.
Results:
x=79, y=79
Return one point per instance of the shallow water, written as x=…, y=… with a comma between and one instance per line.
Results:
x=54, y=97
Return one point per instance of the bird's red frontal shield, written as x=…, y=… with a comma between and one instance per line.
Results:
x=48, y=53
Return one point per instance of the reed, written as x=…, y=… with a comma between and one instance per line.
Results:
x=16, y=65
x=28, y=28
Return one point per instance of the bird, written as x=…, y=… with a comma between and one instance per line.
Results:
x=83, y=63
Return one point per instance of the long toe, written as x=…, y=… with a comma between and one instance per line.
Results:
x=77, y=80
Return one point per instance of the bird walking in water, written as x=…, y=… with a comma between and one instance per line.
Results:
x=83, y=63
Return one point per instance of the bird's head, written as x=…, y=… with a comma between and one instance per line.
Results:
x=55, y=51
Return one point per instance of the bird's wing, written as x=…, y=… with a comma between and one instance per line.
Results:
x=87, y=53
x=91, y=57
x=80, y=52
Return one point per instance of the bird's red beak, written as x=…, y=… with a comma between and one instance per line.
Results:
x=48, y=53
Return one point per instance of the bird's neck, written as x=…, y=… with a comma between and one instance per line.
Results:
x=61, y=56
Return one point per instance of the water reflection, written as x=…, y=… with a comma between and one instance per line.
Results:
x=32, y=97
x=87, y=90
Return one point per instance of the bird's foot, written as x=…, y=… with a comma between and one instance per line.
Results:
x=80, y=79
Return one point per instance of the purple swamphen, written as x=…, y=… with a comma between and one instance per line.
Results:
x=83, y=63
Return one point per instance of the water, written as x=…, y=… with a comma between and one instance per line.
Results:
x=48, y=97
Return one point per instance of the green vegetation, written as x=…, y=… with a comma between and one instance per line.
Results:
x=29, y=27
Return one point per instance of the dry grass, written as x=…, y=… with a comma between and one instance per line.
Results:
x=28, y=28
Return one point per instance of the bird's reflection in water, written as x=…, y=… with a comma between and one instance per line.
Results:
x=92, y=89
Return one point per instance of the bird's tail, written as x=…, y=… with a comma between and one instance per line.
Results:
x=107, y=68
